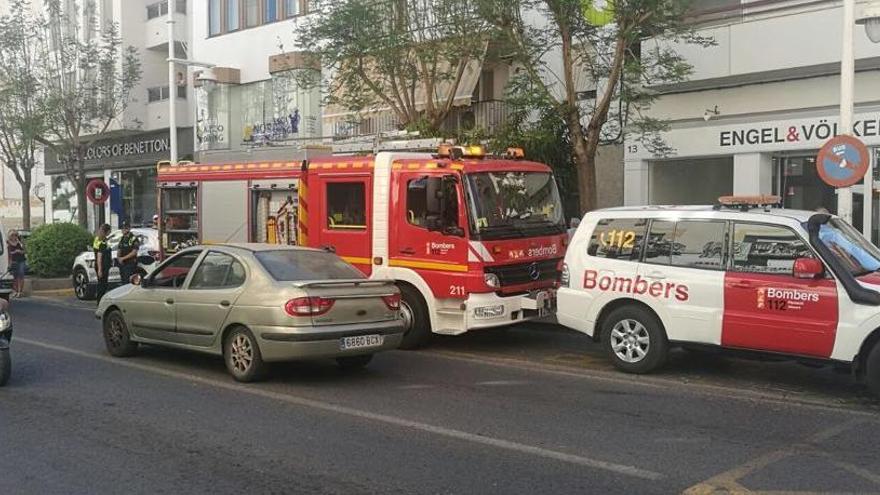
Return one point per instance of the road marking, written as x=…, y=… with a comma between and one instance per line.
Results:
x=502, y=383
x=367, y=415
x=729, y=481
x=414, y=387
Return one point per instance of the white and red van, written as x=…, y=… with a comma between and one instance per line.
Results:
x=742, y=276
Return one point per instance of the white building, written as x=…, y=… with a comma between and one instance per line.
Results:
x=758, y=107
x=126, y=158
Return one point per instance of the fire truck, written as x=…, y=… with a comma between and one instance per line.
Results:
x=474, y=241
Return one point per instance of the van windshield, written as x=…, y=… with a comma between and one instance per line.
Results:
x=849, y=246
x=514, y=204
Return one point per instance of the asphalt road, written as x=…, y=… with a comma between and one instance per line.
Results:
x=528, y=410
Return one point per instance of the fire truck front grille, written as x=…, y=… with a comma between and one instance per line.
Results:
x=526, y=273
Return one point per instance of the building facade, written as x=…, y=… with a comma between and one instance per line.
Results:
x=126, y=158
x=757, y=108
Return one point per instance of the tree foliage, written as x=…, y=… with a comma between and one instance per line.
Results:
x=403, y=56
x=600, y=79
x=23, y=113
x=88, y=77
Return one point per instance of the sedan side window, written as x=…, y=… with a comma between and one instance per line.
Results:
x=173, y=274
x=218, y=271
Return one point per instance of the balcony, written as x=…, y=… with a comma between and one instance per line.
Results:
x=489, y=115
x=156, y=34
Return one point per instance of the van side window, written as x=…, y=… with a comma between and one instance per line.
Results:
x=687, y=243
x=346, y=206
x=766, y=249
x=618, y=238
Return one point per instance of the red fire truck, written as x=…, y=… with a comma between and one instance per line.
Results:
x=474, y=241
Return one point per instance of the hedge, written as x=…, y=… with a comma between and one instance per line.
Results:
x=52, y=248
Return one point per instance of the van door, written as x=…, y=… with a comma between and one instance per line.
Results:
x=427, y=236
x=683, y=271
x=345, y=217
x=765, y=307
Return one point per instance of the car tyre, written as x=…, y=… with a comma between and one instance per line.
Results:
x=242, y=356
x=350, y=363
x=415, y=317
x=81, y=287
x=117, y=337
x=872, y=370
x=634, y=340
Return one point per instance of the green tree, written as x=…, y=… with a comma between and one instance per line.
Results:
x=596, y=68
x=88, y=77
x=22, y=114
x=404, y=56
x=53, y=247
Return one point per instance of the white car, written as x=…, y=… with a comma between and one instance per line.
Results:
x=785, y=282
x=84, y=277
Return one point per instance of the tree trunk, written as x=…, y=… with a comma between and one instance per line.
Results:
x=26, y=203
x=585, y=164
x=82, y=204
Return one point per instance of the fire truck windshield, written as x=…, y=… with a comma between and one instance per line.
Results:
x=506, y=205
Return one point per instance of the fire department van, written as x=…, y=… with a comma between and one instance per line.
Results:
x=742, y=276
x=474, y=241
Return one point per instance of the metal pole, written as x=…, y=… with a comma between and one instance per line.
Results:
x=847, y=75
x=868, y=204
x=172, y=84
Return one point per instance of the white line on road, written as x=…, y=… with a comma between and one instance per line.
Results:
x=502, y=383
x=358, y=413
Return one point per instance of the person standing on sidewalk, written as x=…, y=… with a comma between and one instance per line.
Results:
x=126, y=253
x=17, y=262
x=103, y=259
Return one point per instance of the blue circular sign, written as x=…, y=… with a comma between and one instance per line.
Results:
x=843, y=161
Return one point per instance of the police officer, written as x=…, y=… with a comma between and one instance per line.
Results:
x=126, y=253
x=103, y=259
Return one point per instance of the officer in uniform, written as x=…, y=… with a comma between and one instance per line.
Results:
x=126, y=253
x=103, y=259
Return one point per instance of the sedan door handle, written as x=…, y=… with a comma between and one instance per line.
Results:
x=225, y=304
x=407, y=250
x=169, y=301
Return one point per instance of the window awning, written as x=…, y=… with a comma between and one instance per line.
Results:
x=469, y=79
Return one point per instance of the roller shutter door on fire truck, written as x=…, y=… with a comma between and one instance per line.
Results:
x=224, y=211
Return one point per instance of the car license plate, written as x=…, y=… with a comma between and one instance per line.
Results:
x=360, y=342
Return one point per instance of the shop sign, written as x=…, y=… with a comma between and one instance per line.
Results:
x=127, y=149
x=278, y=129
x=819, y=130
x=843, y=161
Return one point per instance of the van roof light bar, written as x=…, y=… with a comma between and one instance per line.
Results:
x=746, y=203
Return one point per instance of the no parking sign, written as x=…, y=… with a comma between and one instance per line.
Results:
x=843, y=161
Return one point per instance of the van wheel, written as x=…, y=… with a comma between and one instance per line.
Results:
x=417, y=325
x=872, y=370
x=242, y=356
x=635, y=340
x=81, y=287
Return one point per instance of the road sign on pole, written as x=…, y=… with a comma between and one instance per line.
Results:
x=842, y=161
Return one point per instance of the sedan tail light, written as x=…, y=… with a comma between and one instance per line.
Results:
x=308, y=306
x=392, y=301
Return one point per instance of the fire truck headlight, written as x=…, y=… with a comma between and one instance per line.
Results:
x=489, y=312
x=492, y=280
x=566, y=276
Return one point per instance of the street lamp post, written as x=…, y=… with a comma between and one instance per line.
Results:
x=172, y=85
x=870, y=18
x=847, y=76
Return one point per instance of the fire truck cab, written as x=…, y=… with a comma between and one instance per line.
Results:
x=473, y=241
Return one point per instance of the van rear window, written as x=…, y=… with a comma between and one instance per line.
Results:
x=618, y=238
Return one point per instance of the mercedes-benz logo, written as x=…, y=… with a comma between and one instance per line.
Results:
x=534, y=271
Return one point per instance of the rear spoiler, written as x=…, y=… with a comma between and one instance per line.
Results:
x=336, y=283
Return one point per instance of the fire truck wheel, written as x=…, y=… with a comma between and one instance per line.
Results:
x=872, y=370
x=415, y=315
x=634, y=339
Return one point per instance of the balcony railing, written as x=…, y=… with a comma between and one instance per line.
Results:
x=489, y=115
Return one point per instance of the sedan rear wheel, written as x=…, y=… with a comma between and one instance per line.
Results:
x=242, y=355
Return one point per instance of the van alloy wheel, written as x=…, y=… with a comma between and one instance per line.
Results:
x=630, y=340
x=79, y=284
x=242, y=353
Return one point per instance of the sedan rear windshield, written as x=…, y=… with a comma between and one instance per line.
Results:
x=294, y=266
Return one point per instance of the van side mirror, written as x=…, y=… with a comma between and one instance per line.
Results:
x=808, y=268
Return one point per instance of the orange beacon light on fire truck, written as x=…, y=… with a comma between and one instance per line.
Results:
x=447, y=150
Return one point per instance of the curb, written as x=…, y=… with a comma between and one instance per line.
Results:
x=53, y=293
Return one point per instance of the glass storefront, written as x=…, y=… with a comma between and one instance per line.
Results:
x=275, y=111
x=138, y=201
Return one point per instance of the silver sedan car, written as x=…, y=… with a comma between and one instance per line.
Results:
x=254, y=304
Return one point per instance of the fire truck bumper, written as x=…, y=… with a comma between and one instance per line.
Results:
x=491, y=310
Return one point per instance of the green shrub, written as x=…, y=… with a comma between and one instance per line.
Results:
x=52, y=248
